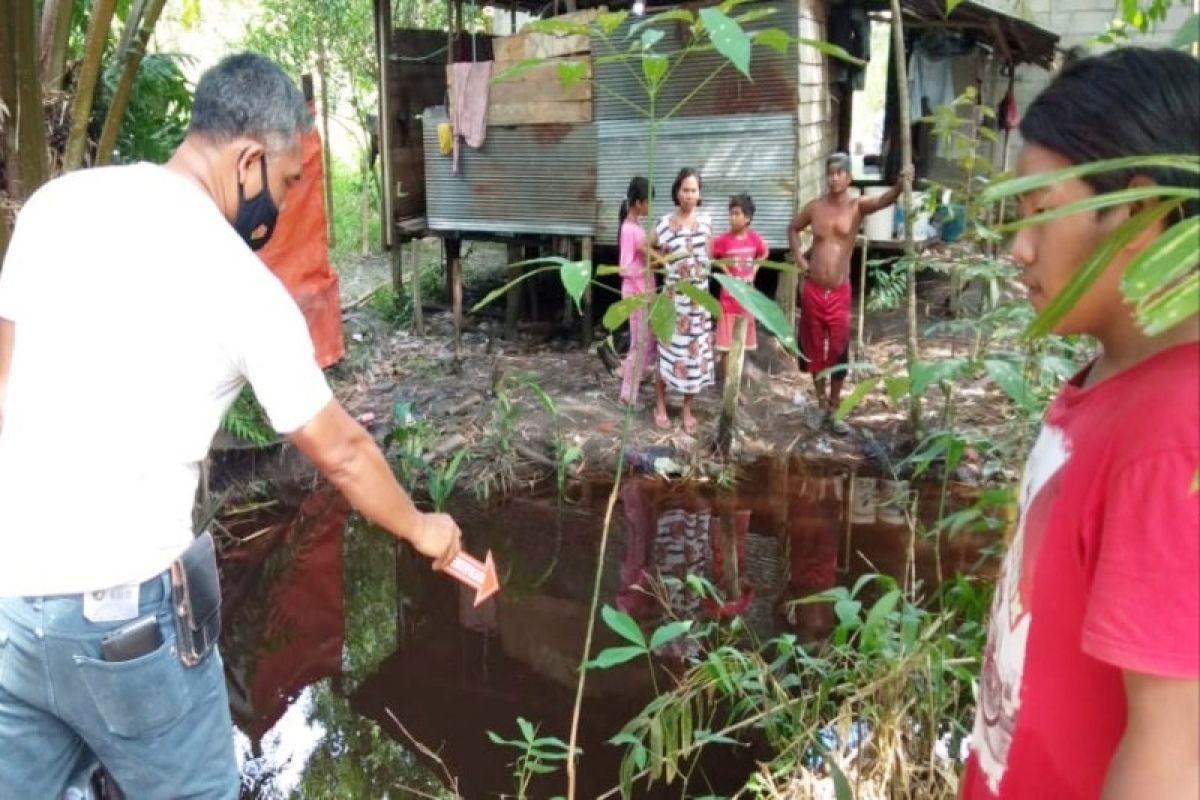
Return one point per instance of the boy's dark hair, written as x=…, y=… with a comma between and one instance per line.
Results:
x=1133, y=101
x=684, y=174
x=743, y=201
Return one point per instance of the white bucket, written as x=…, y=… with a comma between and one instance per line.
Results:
x=880, y=225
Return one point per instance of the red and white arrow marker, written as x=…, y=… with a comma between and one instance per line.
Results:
x=480, y=577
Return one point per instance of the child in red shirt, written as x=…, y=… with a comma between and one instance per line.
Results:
x=1091, y=675
x=740, y=247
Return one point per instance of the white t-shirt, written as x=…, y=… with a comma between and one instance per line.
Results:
x=139, y=314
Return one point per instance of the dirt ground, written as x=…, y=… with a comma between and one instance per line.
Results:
x=386, y=365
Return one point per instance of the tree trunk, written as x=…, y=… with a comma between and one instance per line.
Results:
x=418, y=312
x=913, y=353
x=56, y=30
x=30, y=122
x=323, y=76
x=366, y=206
x=85, y=86
x=131, y=57
x=8, y=96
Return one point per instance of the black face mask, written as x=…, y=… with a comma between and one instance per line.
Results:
x=258, y=212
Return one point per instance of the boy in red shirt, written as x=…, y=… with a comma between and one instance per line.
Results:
x=1090, y=676
x=740, y=248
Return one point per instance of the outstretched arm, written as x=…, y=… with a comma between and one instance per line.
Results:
x=869, y=205
x=7, y=335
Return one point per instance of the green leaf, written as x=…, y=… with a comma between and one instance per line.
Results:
x=576, y=275
x=571, y=72
x=526, y=729
x=1099, y=201
x=1017, y=186
x=831, y=50
x=847, y=611
x=623, y=625
x=612, y=656
x=728, y=37
x=701, y=298
x=775, y=38
x=851, y=401
x=896, y=387
x=1180, y=302
x=754, y=15
x=1188, y=33
x=923, y=374
x=1010, y=379
x=662, y=317
x=1172, y=254
x=951, y=5
x=882, y=608
x=1097, y=262
x=503, y=742
x=496, y=293
x=651, y=37
x=669, y=633
x=673, y=15
x=703, y=736
x=618, y=313
x=841, y=786
x=762, y=307
x=654, y=67
x=516, y=70
x=610, y=21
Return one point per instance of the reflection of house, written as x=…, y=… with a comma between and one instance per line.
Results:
x=553, y=174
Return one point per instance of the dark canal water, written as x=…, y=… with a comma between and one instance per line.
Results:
x=354, y=671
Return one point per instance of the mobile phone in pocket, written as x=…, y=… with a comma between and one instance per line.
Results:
x=138, y=638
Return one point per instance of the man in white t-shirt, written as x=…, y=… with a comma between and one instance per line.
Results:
x=132, y=311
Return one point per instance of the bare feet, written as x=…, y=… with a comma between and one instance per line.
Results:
x=661, y=420
x=690, y=425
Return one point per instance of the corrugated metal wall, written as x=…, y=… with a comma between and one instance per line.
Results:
x=753, y=153
x=538, y=179
x=773, y=88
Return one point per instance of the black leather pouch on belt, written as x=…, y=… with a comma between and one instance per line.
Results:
x=196, y=595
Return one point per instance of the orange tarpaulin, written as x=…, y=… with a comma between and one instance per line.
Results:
x=298, y=254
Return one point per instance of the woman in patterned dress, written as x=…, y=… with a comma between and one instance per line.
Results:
x=685, y=361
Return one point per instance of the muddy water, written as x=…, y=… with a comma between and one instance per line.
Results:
x=355, y=672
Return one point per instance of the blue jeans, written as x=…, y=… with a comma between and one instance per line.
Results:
x=161, y=729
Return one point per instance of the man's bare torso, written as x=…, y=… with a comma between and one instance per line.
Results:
x=835, y=229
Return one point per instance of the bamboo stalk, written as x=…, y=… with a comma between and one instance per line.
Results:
x=913, y=353
x=323, y=75
x=85, y=86
x=131, y=58
x=56, y=30
x=8, y=96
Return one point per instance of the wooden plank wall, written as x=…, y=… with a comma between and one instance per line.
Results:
x=417, y=81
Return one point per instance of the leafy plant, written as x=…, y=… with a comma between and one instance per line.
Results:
x=245, y=420
x=440, y=481
x=539, y=755
x=407, y=442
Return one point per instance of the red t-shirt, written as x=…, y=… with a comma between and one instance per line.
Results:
x=743, y=251
x=1103, y=575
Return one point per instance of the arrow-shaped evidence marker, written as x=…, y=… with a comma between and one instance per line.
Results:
x=480, y=577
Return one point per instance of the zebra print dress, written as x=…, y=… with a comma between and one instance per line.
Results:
x=686, y=360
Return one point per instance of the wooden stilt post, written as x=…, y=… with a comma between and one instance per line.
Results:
x=512, y=313
x=454, y=256
x=397, y=258
x=418, y=310
x=585, y=330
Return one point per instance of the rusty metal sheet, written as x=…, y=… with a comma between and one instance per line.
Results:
x=538, y=179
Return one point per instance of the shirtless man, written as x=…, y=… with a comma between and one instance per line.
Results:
x=824, y=293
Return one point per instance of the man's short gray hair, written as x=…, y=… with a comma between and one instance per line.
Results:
x=249, y=95
x=838, y=161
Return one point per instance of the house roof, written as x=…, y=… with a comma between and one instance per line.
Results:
x=1011, y=36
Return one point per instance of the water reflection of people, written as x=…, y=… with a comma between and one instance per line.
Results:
x=813, y=550
x=674, y=537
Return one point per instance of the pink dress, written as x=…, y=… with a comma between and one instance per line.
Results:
x=635, y=280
